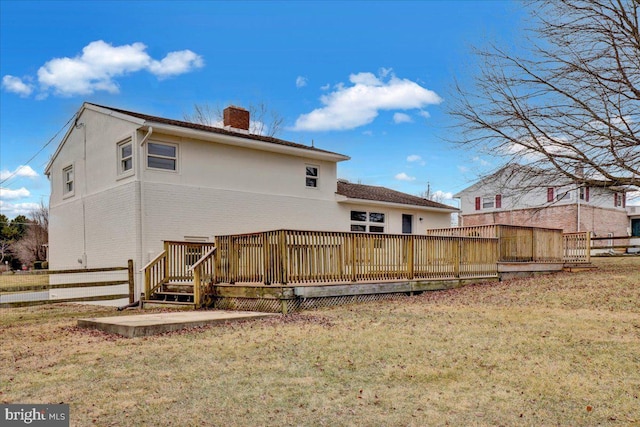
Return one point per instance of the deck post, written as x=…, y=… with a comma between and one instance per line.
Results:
x=131, y=281
x=196, y=287
x=457, y=252
x=283, y=256
x=353, y=257
x=410, y=250
x=167, y=260
x=588, y=246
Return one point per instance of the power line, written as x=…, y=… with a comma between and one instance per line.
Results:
x=14, y=173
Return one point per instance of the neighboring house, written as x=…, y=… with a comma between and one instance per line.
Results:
x=634, y=226
x=122, y=182
x=510, y=197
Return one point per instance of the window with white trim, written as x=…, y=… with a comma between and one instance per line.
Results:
x=311, y=176
x=563, y=194
x=125, y=157
x=68, y=181
x=488, y=202
x=363, y=221
x=162, y=156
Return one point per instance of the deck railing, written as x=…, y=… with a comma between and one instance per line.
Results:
x=287, y=256
x=517, y=243
x=577, y=247
x=173, y=264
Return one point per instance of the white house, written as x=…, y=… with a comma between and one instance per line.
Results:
x=123, y=182
x=511, y=196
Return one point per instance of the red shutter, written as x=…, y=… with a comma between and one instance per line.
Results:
x=615, y=200
x=550, y=194
x=477, y=203
x=498, y=201
x=586, y=194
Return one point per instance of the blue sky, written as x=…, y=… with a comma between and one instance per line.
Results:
x=367, y=79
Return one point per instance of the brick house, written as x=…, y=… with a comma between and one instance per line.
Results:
x=123, y=182
x=510, y=197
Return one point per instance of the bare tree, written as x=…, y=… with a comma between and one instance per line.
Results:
x=33, y=245
x=264, y=121
x=568, y=104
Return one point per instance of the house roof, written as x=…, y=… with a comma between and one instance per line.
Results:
x=212, y=129
x=386, y=195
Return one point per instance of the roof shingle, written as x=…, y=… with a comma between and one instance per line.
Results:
x=383, y=194
x=221, y=131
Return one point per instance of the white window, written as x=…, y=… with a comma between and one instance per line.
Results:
x=162, y=156
x=67, y=181
x=488, y=202
x=563, y=195
x=125, y=157
x=311, y=176
x=373, y=222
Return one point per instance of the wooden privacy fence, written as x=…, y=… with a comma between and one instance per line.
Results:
x=56, y=286
x=517, y=243
x=287, y=256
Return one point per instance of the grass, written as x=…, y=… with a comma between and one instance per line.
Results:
x=554, y=350
x=10, y=280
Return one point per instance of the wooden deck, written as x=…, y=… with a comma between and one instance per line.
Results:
x=303, y=296
x=288, y=270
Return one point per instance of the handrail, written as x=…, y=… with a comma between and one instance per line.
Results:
x=197, y=269
x=155, y=274
x=153, y=261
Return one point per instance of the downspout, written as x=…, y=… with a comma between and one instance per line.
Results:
x=141, y=197
x=578, y=198
x=83, y=194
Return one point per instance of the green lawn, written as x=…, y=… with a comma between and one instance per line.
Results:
x=554, y=350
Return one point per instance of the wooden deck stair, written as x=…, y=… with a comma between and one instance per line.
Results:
x=173, y=294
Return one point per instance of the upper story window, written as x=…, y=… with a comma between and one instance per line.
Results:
x=311, y=177
x=373, y=222
x=162, y=156
x=125, y=157
x=619, y=200
x=489, y=202
x=584, y=194
x=68, y=181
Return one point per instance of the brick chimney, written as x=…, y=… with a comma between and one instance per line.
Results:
x=236, y=117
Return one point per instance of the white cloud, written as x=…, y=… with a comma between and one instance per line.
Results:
x=99, y=64
x=442, y=195
x=16, y=85
x=325, y=87
x=367, y=132
x=12, y=210
x=414, y=158
x=301, y=82
x=480, y=160
x=24, y=171
x=349, y=107
x=463, y=169
x=402, y=118
x=176, y=63
x=424, y=114
x=404, y=177
x=9, y=194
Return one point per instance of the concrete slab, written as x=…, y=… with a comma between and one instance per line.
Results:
x=141, y=325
